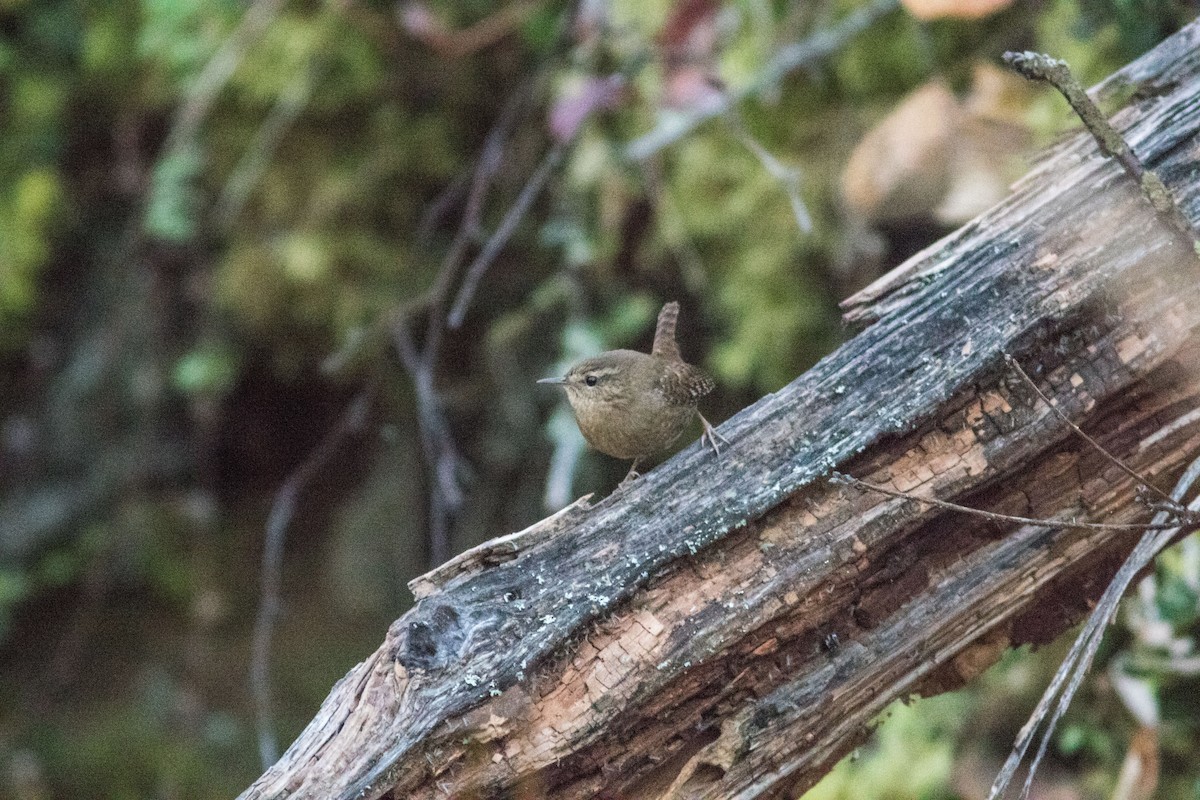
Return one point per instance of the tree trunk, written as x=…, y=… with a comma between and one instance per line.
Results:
x=727, y=628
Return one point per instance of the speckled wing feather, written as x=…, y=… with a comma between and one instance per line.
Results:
x=685, y=383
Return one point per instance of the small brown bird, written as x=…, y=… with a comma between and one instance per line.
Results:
x=632, y=405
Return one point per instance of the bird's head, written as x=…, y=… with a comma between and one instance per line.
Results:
x=604, y=380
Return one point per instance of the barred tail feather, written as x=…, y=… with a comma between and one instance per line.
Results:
x=664, y=335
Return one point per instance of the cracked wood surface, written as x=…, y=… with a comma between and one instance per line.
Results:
x=727, y=629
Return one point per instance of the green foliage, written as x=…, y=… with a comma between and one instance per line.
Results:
x=1084, y=740
x=910, y=755
x=174, y=201
x=206, y=370
x=15, y=586
x=541, y=29
x=762, y=280
x=32, y=130
x=886, y=62
x=1164, y=620
x=30, y=208
x=324, y=254
x=138, y=750
x=64, y=566
x=1140, y=24
x=174, y=41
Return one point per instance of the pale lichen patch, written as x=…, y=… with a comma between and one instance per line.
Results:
x=1045, y=260
x=1130, y=348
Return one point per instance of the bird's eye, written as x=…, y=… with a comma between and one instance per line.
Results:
x=590, y=380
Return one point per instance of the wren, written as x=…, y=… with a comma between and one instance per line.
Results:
x=631, y=405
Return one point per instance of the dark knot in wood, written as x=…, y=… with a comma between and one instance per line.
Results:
x=434, y=639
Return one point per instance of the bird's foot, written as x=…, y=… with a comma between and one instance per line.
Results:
x=630, y=476
x=710, y=436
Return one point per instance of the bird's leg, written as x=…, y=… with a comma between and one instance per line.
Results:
x=632, y=475
x=710, y=435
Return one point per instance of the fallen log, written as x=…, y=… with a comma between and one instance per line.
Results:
x=728, y=628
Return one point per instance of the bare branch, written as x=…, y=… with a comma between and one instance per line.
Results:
x=1040, y=67
x=440, y=207
x=471, y=224
x=437, y=444
x=432, y=302
x=788, y=177
x=814, y=49
x=504, y=232
x=216, y=73
x=278, y=522
x=441, y=456
x=256, y=158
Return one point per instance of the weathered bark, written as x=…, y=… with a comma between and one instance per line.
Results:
x=727, y=628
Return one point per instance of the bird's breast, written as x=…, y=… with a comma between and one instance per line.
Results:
x=624, y=432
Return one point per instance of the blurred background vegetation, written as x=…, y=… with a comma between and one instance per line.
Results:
x=293, y=266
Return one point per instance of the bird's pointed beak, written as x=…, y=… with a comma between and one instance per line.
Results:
x=554, y=381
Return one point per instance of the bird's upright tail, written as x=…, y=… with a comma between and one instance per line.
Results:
x=664, y=335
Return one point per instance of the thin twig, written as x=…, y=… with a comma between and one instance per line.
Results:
x=471, y=223
x=812, y=50
x=1083, y=651
x=456, y=43
x=838, y=477
x=437, y=444
x=504, y=232
x=1040, y=67
x=788, y=177
x=440, y=207
x=278, y=522
x=217, y=71
x=443, y=462
x=1012, y=362
x=1075, y=666
x=288, y=108
x=432, y=302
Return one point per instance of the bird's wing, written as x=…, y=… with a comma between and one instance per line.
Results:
x=685, y=383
